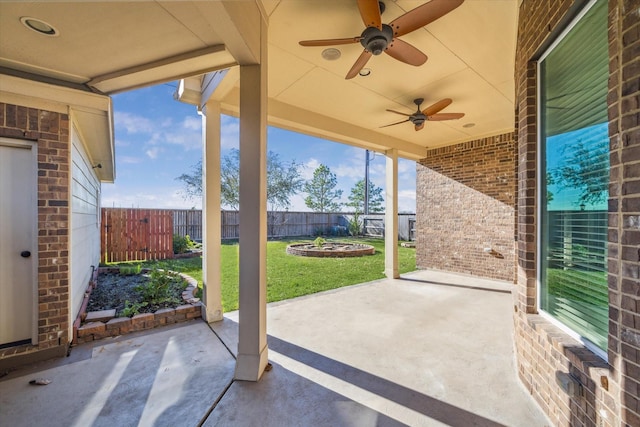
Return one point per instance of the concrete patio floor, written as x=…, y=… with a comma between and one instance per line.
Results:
x=429, y=349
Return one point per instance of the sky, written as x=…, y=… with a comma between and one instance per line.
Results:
x=158, y=138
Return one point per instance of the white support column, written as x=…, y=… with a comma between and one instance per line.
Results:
x=391, y=216
x=252, y=339
x=211, y=233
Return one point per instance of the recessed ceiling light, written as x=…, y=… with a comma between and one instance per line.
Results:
x=365, y=72
x=468, y=125
x=331, y=54
x=39, y=26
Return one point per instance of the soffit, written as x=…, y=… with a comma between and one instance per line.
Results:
x=113, y=46
x=471, y=54
x=100, y=39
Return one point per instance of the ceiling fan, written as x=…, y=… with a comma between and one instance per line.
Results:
x=378, y=37
x=430, y=113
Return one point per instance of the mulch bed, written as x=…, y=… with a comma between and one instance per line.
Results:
x=114, y=289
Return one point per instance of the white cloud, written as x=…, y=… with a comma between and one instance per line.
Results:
x=112, y=196
x=192, y=123
x=306, y=172
x=128, y=159
x=188, y=140
x=353, y=168
x=405, y=166
x=407, y=194
x=153, y=152
x=187, y=134
x=133, y=123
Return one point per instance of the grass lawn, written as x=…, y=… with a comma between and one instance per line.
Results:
x=290, y=276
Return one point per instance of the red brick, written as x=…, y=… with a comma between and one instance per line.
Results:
x=119, y=325
x=92, y=328
x=142, y=321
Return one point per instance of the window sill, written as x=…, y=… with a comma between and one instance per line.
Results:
x=576, y=352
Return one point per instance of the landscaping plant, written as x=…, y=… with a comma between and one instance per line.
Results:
x=158, y=289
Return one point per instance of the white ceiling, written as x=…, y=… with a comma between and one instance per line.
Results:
x=115, y=46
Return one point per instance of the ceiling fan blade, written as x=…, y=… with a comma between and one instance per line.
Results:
x=398, y=112
x=393, y=124
x=422, y=15
x=420, y=126
x=433, y=109
x=445, y=116
x=330, y=42
x=404, y=52
x=360, y=62
x=370, y=12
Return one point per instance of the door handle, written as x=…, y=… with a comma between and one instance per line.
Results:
x=25, y=254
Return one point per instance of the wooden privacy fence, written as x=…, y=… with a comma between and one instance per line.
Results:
x=147, y=234
x=286, y=224
x=136, y=234
x=188, y=222
x=292, y=224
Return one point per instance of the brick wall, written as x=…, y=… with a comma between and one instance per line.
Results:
x=466, y=204
x=624, y=203
x=543, y=350
x=50, y=130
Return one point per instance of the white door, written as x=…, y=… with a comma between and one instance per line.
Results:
x=18, y=245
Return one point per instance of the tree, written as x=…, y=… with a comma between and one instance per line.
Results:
x=321, y=194
x=356, y=198
x=192, y=182
x=283, y=181
x=230, y=180
x=585, y=169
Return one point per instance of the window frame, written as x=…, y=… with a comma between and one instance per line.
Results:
x=539, y=177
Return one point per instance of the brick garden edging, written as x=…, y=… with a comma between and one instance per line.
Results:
x=309, y=250
x=115, y=326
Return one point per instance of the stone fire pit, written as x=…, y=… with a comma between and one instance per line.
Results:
x=331, y=250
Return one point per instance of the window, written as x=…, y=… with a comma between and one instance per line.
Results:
x=574, y=177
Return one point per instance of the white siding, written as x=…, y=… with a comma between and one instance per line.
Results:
x=85, y=222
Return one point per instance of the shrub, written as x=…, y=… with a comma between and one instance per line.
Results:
x=319, y=242
x=180, y=244
x=130, y=270
x=158, y=289
x=131, y=309
x=355, y=225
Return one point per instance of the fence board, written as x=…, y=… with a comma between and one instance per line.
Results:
x=145, y=234
x=136, y=234
x=290, y=224
x=188, y=222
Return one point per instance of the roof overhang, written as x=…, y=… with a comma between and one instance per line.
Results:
x=109, y=47
x=92, y=112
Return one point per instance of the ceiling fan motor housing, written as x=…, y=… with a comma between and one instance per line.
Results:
x=375, y=40
x=418, y=119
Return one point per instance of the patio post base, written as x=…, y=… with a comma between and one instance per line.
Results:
x=250, y=367
x=211, y=315
x=391, y=273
